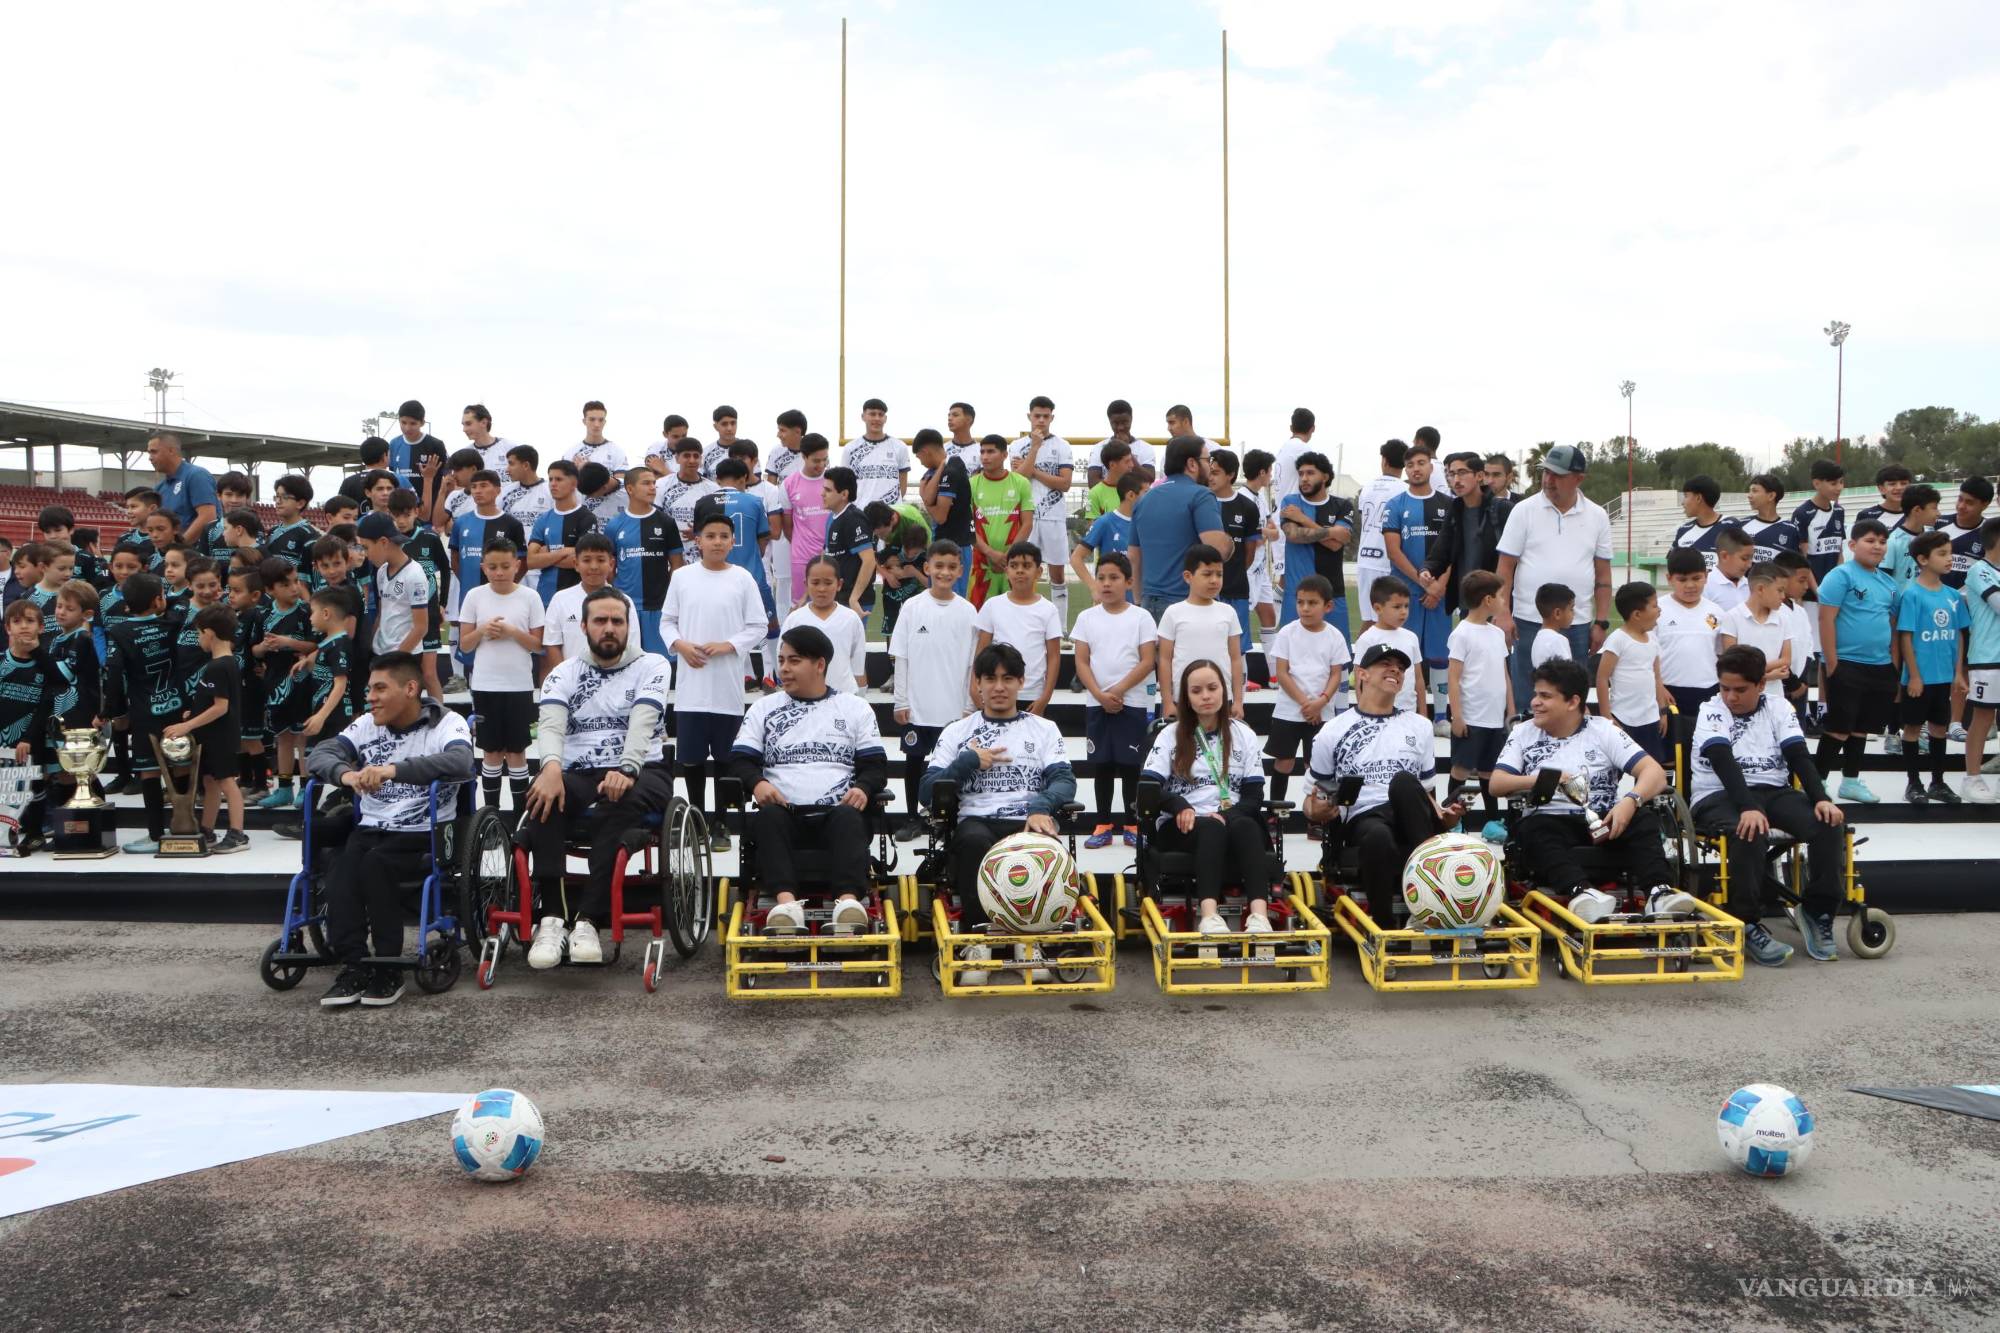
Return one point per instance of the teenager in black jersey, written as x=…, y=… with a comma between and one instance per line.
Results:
x=139, y=689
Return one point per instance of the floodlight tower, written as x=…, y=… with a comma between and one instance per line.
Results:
x=1627, y=388
x=1836, y=333
x=159, y=380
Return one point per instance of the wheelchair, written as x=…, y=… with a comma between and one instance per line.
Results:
x=816, y=964
x=1292, y=956
x=468, y=877
x=1077, y=958
x=1504, y=954
x=674, y=866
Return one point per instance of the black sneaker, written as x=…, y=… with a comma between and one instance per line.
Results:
x=346, y=988
x=912, y=829
x=1915, y=794
x=235, y=840
x=384, y=989
x=1942, y=794
x=291, y=829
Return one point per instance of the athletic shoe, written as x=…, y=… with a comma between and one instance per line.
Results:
x=1592, y=905
x=1817, y=932
x=547, y=950
x=281, y=798
x=584, y=946
x=771, y=684
x=718, y=839
x=1980, y=792
x=1495, y=830
x=912, y=829
x=1764, y=950
x=785, y=918
x=1957, y=733
x=1914, y=793
x=1669, y=901
x=1099, y=837
x=1854, y=789
x=849, y=917
x=385, y=989
x=1991, y=765
x=1131, y=835
x=235, y=840
x=346, y=988
x=1211, y=925
x=140, y=847
x=1259, y=925
x=1024, y=953
x=1441, y=727
x=1941, y=793
x=294, y=829
x=1892, y=743
x=976, y=976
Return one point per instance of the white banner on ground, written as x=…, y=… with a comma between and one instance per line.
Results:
x=64, y=1141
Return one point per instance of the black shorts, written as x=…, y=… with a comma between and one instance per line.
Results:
x=1288, y=738
x=701, y=738
x=1478, y=749
x=254, y=722
x=918, y=742
x=1860, y=698
x=218, y=751
x=1932, y=706
x=1118, y=739
x=503, y=718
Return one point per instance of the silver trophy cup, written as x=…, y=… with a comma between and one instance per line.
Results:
x=1577, y=792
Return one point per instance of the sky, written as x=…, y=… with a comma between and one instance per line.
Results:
x=1475, y=214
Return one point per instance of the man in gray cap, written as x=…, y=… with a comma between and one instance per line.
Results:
x=1558, y=535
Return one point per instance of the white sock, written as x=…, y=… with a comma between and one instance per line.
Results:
x=1059, y=594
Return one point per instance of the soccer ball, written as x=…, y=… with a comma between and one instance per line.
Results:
x=1765, y=1130
x=1027, y=884
x=1454, y=879
x=497, y=1135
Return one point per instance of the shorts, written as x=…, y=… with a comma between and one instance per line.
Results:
x=502, y=719
x=1261, y=592
x=1117, y=739
x=649, y=633
x=1478, y=749
x=1983, y=687
x=1364, y=579
x=218, y=753
x=704, y=737
x=1646, y=735
x=1860, y=698
x=1288, y=738
x=1932, y=706
x=1051, y=533
x=918, y=742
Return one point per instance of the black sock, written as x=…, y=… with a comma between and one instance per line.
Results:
x=1128, y=779
x=1913, y=758
x=1492, y=805
x=697, y=785
x=1107, y=780
x=156, y=806
x=517, y=782
x=489, y=783
x=1939, y=744
x=1280, y=784
x=1850, y=755
x=1828, y=757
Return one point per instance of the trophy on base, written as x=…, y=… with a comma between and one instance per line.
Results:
x=183, y=830
x=1577, y=792
x=17, y=788
x=85, y=825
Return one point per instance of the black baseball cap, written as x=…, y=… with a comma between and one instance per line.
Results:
x=377, y=525
x=1376, y=652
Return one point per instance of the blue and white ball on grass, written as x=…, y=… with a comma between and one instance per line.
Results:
x=1766, y=1130
x=497, y=1135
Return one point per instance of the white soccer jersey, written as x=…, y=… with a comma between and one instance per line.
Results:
x=1033, y=746
x=526, y=504
x=607, y=506
x=1144, y=455
x=608, y=453
x=808, y=747
x=1598, y=751
x=1054, y=457
x=1374, y=747
x=712, y=455
x=780, y=462
x=1199, y=788
x=494, y=457
x=679, y=498
x=404, y=807
x=398, y=597
x=1757, y=739
x=878, y=467
x=967, y=454
x=1369, y=506
x=600, y=703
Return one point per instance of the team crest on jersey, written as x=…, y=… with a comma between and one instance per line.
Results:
x=1941, y=618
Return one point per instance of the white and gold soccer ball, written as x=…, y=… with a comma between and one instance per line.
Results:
x=1453, y=880
x=1028, y=884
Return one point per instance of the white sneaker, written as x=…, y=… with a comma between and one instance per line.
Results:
x=976, y=976
x=849, y=917
x=1211, y=925
x=1667, y=901
x=1254, y=924
x=1979, y=791
x=547, y=949
x=583, y=943
x=1592, y=905
x=785, y=918
x=1957, y=733
x=1025, y=953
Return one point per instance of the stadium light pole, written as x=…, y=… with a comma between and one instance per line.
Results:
x=841, y=424
x=1627, y=388
x=1836, y=333
x=1227, y=433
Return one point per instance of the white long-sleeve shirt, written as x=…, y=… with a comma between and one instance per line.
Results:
x=710, y=606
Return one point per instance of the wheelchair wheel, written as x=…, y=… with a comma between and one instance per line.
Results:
x=276, y=975
x=1871, y=932
x=484, y=864
x=438, y=968
x=685, y=876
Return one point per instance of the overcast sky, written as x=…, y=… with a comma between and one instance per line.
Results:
x=1478, y=214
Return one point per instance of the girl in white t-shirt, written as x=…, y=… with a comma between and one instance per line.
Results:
x=847, y=673
x=1629, y=689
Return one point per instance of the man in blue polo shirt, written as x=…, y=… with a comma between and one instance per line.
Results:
x=1171, y=517
x=187, y=491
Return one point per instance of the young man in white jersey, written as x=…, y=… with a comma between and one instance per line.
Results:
x=1043, y=458
x=1371, y=555
x=525, y=498
x=678, y=494
x=595, y=448
x=880, y=462
x=477, y=423
x=1118, y=416
x=724, y=421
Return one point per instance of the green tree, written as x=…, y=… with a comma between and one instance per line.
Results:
x=1730, y=469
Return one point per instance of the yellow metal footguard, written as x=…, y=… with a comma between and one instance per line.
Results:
x=809, y=966
x=1626, y=949
x=1077, y=962
x=1267, y=963
x=1506, y=955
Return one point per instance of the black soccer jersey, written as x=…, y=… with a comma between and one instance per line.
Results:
x=1243, y=523
x=847, y=536
x=291, y=541
x=29, y=687
x=428, y=550
x=139, y=672
x=75, y=654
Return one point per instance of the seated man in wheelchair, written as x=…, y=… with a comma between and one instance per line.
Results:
x=388, y=758
x=1747, y=745
x=1561, y=754
x=1012, y=775
x=812, y=759
x=599, y=736
x=1386, y=755
x=1210, y=768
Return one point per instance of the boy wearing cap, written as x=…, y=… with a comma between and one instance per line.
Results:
x=402, y=590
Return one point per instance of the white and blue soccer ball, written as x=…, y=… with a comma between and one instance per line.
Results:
x=1766, y=1130
x=497, y=1135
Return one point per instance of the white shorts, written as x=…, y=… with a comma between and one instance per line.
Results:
x=1051, y=533
x=1364, y=579
x=1260, y=585
x=1983, y=687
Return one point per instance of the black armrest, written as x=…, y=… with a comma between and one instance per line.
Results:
x=728, y=793
x=1348, y=790
x=1148, y=800
x=944, y=799
x=1546, y=780
x=1069, y=810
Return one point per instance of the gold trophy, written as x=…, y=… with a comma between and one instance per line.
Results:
x=85, y=828
x=183, y=830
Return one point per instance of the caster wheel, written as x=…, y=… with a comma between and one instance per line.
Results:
x=1871, y=932
x=484, y=976
x=1493, y=971
x=649, y=979
x=1680, y=942
x=276, y=975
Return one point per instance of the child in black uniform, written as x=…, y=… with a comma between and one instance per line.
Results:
x=214, y=695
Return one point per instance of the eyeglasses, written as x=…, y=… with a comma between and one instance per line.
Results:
x=1458, y=472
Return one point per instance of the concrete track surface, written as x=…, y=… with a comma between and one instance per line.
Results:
x=1538, y=1160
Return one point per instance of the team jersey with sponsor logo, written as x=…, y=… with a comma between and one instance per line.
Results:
x=1821, y=531
x=808, y=747
x=1369, y=507
x=878, y=467
x=1598, y=751
x=1758, y=739
x=1050, y=501
x=600, y=701
x=1034, y=747
x=404, y=807
x=1374, y=747
x=1769, y=538
x=1202, y=786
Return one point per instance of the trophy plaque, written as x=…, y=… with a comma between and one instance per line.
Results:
x=183, y=830
x=17, y=788
x=85, y=824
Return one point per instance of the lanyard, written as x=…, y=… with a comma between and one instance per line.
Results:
x=1215, y=769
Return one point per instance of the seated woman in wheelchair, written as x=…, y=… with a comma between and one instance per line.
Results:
x=388, y=758
x=1012, y=775
x=599, y=736
x=1211, y=772
x=1387, y=754
x=812, y=758
x=1562, y=754
x=1746, y=748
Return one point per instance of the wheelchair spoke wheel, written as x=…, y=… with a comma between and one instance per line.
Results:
x=276, y=975
x=689, y=906
x=485, y=868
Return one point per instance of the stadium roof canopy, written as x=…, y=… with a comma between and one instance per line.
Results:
x=23, y=426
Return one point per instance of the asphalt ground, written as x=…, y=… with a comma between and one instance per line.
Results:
x=1536, y=1160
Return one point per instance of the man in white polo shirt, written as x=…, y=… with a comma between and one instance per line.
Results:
x=1043, y=457
x=1558, y=535
x=1371, y=557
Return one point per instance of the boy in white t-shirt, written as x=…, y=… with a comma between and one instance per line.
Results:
x=712, y=619
x=1308, y=666
x=1480, y=689
x=933, y=649
x=1689, y=633
x=1029, y=622
x=1629, y=689
x=1556, y=604
x=1727, y=585
x=1795, y=570
x=1116, y=647
x=1761, y=623
x=1200, y=629
x=1389, y=613
x=499, y=623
